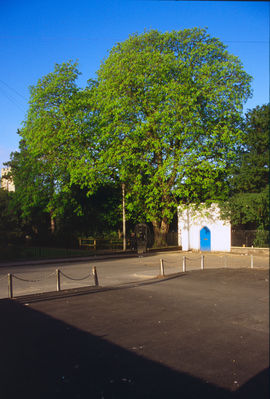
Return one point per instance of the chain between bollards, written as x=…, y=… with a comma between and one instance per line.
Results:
x=58, y=282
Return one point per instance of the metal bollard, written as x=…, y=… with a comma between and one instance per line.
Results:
x=184, y=264
x=251, y=262
x=161, y=267
x=202, y=262
x=10, y=286
x=58, y=286
x=94, y=272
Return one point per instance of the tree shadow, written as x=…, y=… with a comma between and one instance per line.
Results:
x=80, y=291
x=257, y=387
x=42, y=357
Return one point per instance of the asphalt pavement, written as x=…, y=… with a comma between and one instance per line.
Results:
x=41, y=276
x=203, y=333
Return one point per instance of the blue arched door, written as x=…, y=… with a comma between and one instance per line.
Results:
x=205, y=239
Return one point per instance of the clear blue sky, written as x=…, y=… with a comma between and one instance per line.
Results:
x=34, y=35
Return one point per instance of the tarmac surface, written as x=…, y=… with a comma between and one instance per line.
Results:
x=191, y=335
x=40, y=276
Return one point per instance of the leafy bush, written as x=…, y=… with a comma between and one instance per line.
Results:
x=261, y=239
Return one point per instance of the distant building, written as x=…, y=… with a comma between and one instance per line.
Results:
x=203, y=229
x=7, y=183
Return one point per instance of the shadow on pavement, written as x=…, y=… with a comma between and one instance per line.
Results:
x=68, y=293
x=42, y=357
x=256, y=387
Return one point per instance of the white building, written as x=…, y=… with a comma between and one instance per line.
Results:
x=6, y=183
x=203, y=229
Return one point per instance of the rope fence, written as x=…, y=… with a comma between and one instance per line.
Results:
x=185, y=259
x=201, y=260
x=75, y=279
x=182, y=263
x=33, y=281
x=170, y=262
x=58, y=273
x=193, y=259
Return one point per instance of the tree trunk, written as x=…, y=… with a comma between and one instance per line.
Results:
x=160, y=233
x=52, y=223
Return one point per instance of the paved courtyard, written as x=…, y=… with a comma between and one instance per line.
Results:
x=191, y=335
x=36, y=277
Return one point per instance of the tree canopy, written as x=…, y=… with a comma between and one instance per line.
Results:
x=163, y=118
x=252, y=171
x=59, y=116
x=10, y=228
x=169, y=111
x=249, y=200
x=42, y=208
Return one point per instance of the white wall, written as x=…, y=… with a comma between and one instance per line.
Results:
x=6, y=184
x=190, y=223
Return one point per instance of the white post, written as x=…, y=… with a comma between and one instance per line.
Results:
x=202, y=262
x=161, y=267
x=184, y=264
x=94, y=272
x=58, y=286
x=10, y=286
x=251, y=262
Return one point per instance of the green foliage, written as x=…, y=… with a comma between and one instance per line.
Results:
x=75, y=213
x=169, y=113
x=249, y=202
x=163, y=118
x=35, y=193
x=32, y=182
x=54, y=128
x=252, y=173
x=262, y=238
x=99, y=213
x=58, y=126
x=10, y=229
x=250, y=208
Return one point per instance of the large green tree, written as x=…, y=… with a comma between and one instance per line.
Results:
x=58, y=138
x=59, y=123
x=252, y=170
x=249, y=202
x=163, y=118
x=53, y=133
x=168, y=107
x=10, y=226
x=36, y=195
x=75, y=213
